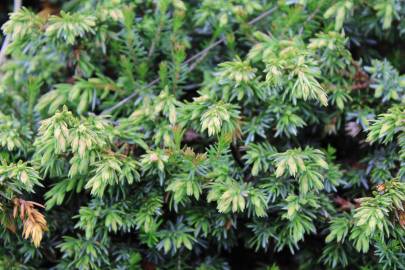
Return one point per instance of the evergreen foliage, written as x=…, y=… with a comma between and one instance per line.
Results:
x=212, y=134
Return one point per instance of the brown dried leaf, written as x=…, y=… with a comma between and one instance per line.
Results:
x=33, y=221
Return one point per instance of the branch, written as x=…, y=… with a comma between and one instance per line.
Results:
x=198, y=57
x=17, y=7
x=128, y=98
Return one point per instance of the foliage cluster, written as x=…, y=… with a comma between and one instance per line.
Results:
x=174, y=134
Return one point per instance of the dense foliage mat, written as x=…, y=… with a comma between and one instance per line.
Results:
x=212, y=134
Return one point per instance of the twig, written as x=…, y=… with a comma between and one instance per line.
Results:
x=262, y=16
x=203, y=52
x=17, y=6
x=196, y=62
x=310, y=17
x=128, y=98
x=222, y=39
x=191, y=86
x=198, y=57
x=157, y=36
